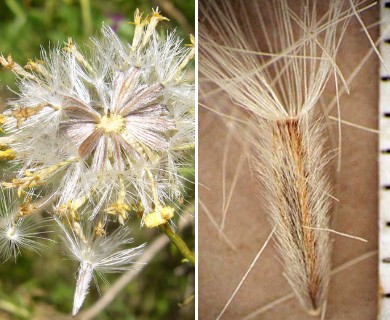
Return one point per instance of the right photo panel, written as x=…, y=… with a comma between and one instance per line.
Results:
x=288, y=159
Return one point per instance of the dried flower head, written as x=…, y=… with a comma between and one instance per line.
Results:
x=110, y=129
x=102, y=133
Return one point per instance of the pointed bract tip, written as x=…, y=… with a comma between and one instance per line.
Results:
x=84, y=278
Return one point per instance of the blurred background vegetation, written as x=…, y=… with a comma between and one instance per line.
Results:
x=41, y=287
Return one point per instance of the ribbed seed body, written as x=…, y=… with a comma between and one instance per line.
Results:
x=292, y=164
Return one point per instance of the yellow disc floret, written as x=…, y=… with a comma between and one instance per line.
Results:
x=114, y=123
x=159, y=216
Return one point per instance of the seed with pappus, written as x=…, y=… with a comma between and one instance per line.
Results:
x=278, y=72
x=18, y=229
x=97, y=255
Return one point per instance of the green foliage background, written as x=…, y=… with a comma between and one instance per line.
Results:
x=41, y=287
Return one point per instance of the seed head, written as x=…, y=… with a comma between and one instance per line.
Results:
x=112, y=126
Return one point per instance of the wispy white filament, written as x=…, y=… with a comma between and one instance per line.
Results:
x=246, y=274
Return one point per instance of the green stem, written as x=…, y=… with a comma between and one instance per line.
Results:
x=14, y=309
x=17, y=10
x=86, y=14
x=180, y=244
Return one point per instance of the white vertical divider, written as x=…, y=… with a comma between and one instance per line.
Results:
x=384, y=166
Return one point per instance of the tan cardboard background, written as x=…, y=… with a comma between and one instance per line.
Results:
x=353, y=292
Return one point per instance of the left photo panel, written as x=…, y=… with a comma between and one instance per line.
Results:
x=97, y=159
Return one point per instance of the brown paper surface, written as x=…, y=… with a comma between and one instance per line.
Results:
x=353, y=292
